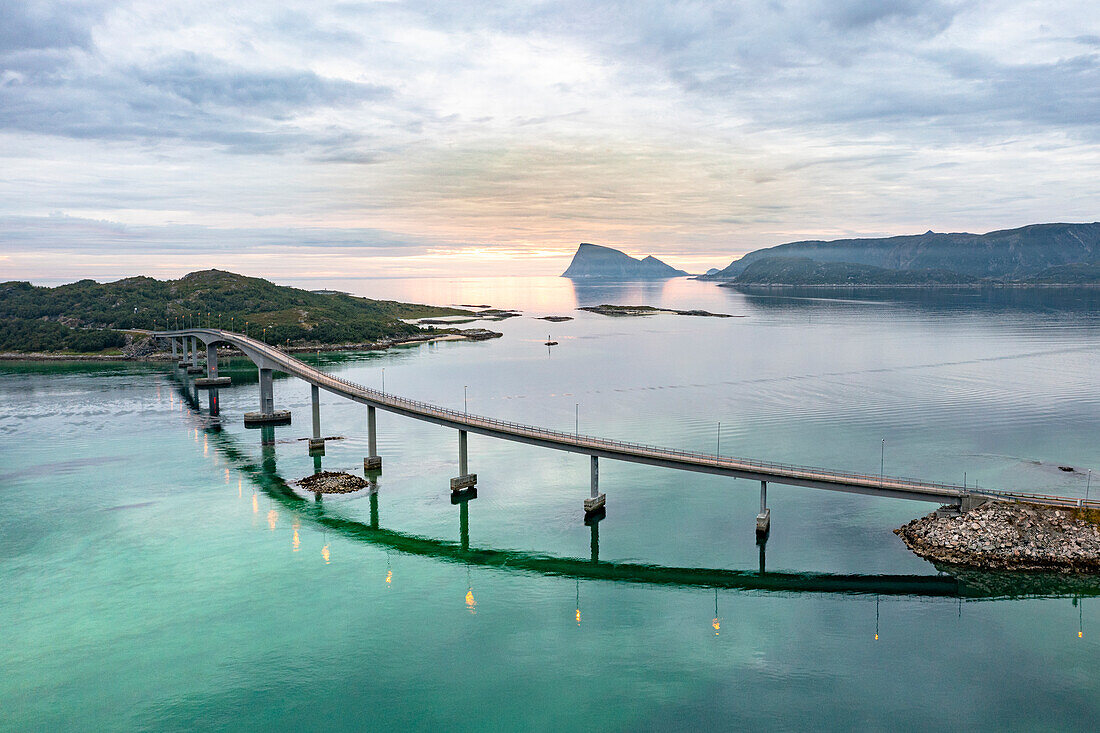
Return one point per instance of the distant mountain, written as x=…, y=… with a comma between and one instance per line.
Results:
x=804, y=271
x=1013, y=254
x=596, y=262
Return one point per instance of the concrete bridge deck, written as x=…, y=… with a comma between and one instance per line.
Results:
x=266, y=356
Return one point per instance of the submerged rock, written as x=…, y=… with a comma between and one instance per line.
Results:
x=1008, y=536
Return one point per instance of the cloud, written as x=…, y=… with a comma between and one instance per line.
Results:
x=64, y=233
x=37, y=25
x=675, y=127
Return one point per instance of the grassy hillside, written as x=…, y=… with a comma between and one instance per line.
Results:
x=87, y=316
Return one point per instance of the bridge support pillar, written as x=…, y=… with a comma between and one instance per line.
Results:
x=183, y=359
x=316, y=443
x=595, y=503
x=764, y=518
x=373, y=461
x=465, y=480
x=212, y=379
x=193, y=365
x=267, y=415
x=175, y=350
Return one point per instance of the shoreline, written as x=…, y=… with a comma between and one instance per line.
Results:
x=473, y=334
x=909, y=286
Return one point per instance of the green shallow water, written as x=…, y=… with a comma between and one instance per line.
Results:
x=161, y=572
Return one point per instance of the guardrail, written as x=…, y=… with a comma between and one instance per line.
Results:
x=575, y=439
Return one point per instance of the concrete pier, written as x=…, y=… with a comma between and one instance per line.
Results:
x=373, y=461
x=316, y=443
x=193, y=364
x=212, y=379
x=183, y=360
x=596, y=501
x=267, y=415
x=764, y=518
x=175, y=351
x=465, y=479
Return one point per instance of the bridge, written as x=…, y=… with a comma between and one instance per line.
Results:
x=269, y=359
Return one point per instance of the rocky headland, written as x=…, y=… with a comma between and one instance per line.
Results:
x=1009, y=536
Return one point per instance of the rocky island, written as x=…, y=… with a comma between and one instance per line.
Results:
x=333, y=482
x=1009, y=536
x=648, y=310
x=595, y=262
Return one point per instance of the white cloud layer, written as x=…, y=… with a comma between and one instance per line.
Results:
x=415, y=136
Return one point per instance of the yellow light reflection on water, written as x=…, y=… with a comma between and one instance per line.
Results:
x=325, y=554
x=240, y=483
x=578, y=617
x=255, y=505
x=272, y=519
x=876, y=637
x=227, y=474
x=296, y=543
x=205, y=446
x=717, y=626
x=389, y=576
x=471, y=604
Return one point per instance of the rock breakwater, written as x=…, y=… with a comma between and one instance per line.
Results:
x=1008, y=536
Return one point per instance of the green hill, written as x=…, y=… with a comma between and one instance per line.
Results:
x=87, y=316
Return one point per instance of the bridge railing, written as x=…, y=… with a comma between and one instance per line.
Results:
x=789, y=470
x=588, y=441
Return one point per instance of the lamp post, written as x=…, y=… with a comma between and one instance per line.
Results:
x=383, y=381
x=718, y=452
x=1088, y=483
x=882, y=460
x=577, y=421
x=464, y=410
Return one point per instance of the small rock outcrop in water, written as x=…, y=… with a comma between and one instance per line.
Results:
x=647, y=310
x=332, y=482
x=1008, y=536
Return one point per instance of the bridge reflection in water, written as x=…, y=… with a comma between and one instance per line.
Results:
x=952, y=583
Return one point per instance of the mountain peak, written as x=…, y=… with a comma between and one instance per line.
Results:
x=600, y=262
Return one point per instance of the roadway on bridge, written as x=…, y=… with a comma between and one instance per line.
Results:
x=267, y=356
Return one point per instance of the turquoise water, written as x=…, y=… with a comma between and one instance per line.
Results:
x=160, y=572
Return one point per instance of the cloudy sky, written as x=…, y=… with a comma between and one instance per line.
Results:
x=402, y=138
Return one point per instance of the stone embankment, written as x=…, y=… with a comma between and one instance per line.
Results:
x=333, y=482
x=1008, y=536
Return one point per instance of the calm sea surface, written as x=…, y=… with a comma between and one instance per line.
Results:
x=158, y=570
